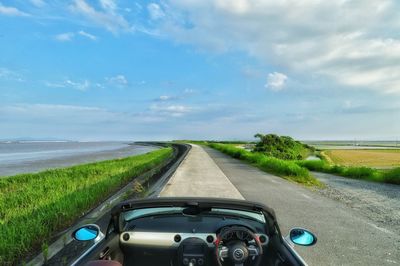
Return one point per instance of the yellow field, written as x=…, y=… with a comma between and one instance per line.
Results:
x=371, y=158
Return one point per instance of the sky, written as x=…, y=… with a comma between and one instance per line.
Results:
x=199, y=69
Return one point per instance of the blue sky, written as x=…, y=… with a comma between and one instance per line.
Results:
x=199, y=69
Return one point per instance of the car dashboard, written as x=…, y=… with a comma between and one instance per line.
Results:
x=185, y=240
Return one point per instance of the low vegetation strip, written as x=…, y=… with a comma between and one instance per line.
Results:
x=286, y=169
x=35, y=206
x=387, y=176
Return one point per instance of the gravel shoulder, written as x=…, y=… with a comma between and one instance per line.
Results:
x=376, y=201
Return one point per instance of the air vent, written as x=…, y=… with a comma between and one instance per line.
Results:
x=177, y=238
x=125, y=236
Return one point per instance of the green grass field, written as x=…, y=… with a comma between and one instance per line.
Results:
x=35, y=206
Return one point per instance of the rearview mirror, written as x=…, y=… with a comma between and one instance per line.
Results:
x=302, y=237
x=86, y=233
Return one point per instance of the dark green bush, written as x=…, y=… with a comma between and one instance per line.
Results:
x=392, y=176
x=314, y=165
x=360, y=172
x=282, y=147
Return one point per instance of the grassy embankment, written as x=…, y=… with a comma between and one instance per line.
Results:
x=35, y=206
x=284, y=168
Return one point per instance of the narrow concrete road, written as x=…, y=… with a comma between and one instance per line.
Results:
x=199, y=176
x=344, y=237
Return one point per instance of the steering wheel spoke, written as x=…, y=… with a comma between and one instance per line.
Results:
x=224, y=253
x=253, y=251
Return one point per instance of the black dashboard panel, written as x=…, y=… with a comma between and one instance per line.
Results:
x=186, y=224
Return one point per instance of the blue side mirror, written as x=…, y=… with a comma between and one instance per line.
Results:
x=86, y=232
x=302, y=237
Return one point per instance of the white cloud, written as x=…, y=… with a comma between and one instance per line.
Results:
x=45, y=116
x=107, y=17
x=77, y=122
x=38, y=3
x=354, y=43
x=54, y=84
x=87, y=35
x=171, y=110
x=47, y=107
x=82, y=86
x=165, y=98
x=12, y=11
x=8, y=74
x=155, y=11
x=119, y=80
x=276, y=81
x=189, y=91
x=5, y=72
x=69, y=36
x=65, y=37
x=108, y=5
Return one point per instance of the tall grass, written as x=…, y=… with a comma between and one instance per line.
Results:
x=392, y=176
x=365, y=173
x=286, y=169
x=34, y=206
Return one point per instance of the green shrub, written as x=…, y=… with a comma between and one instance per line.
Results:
x=360, y=172
x=392, y=176
x=337, y=169
x=282, y=147
x=314, y=165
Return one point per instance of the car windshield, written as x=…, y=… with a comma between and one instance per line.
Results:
x=138, y=213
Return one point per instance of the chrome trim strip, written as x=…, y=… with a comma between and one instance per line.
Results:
x=161, y=239
x=166, y=239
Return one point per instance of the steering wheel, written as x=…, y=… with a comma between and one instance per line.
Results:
x=235, y=250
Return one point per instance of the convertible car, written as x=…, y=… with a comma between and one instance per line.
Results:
x=191, y=232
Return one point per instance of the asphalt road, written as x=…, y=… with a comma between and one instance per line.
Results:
x=345, y=237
